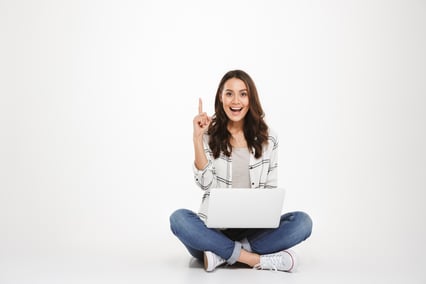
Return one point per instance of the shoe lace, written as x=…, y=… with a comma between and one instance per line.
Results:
x=271, y=262
x=218, y=260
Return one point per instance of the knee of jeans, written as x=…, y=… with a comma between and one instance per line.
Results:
x=176, y=219
x=305, y=222
x=176, y=216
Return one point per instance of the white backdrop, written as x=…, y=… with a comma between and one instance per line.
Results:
x=97, y=100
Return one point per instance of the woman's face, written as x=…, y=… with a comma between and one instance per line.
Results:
x=235, y=99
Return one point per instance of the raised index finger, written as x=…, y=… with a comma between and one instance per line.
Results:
x=200, y=106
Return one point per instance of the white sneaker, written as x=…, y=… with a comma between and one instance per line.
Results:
x=283, y=261
x=211, y=261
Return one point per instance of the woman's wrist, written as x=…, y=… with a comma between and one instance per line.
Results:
x=198, y=139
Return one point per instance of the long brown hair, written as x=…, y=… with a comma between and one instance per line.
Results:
x=255, y=128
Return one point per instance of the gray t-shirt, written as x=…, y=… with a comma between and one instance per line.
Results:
x=240, y=168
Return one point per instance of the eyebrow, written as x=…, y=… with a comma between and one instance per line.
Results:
x=229, y=90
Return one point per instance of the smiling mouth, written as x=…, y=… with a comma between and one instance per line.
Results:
x=236, y=109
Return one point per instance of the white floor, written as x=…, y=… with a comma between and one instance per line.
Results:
x=172, y=264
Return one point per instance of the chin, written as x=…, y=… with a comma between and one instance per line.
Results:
x=236, y=119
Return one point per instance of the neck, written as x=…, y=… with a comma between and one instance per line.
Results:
x=237, y=135
x=235, y=127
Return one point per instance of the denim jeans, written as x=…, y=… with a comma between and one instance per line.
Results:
x=187, y=226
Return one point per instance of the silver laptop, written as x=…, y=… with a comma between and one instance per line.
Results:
x=245, y=208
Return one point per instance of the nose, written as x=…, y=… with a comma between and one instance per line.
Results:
x=235, y=99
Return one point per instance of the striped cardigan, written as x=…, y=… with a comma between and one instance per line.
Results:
x=218, y=172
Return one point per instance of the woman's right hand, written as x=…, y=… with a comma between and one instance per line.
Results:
x=201, y=121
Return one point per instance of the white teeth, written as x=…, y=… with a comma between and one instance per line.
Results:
x=236, y=108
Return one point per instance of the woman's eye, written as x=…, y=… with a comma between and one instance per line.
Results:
x=244, y=94
x=228, y=94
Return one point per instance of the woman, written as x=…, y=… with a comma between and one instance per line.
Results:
x=235, y=148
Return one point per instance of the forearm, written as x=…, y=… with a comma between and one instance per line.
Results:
x=200, y=159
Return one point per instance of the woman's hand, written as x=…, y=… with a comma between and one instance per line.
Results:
x=201, y=121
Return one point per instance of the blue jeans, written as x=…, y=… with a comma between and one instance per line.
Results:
x=187, y=226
